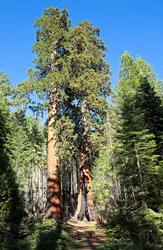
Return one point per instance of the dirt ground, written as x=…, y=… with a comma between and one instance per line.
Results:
x=89, y=234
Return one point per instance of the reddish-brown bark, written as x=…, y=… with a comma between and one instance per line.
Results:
x=85, y=194
x=54, y=195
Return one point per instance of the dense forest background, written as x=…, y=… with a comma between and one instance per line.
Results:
x=99, y=154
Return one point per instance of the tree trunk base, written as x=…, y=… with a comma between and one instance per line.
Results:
x=83, y=212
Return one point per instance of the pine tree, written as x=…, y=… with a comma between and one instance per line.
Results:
x=11, y=200
x=105, y=178
x=139, y=141
x=150, y=105
x=138, y=163
x=27, y=147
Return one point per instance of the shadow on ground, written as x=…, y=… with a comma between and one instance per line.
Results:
x=92, y=243
x=49, y=239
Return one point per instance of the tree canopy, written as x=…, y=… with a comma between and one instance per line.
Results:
x=97, y=157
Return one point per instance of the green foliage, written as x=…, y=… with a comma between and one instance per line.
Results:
x=64, y=130
x=89, y=73
x=4, y=156
x=139, y=165
x=134, y=212
x=43, y=235
x=102, y=180
x=104, y=170
x=5, y=85
x=27, y=147
x=151, y=107
x=141, y=231
x=11, y=200
x=52, y=48
x=124, y=143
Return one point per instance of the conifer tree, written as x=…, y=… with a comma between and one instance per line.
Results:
x=105, y=178
x=5, y=85
x=49, y=81
x=151, y=107
x=89, y=78
x=140, y=159
x=11, y=201
x=136, y=159
x=70, y=72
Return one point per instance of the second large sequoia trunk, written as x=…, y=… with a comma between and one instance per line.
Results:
x=85, y=206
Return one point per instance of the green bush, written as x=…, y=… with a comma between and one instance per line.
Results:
x=135, y=232
x=43, y=235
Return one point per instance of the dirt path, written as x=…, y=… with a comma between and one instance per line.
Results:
x=89, y=234
x=93, y=242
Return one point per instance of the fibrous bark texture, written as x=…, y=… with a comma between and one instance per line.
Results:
x=54, y=194
x=85, y=206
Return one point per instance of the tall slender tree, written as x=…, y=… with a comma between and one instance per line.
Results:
x=148, y=101
x=11, y=199
x=139, y=139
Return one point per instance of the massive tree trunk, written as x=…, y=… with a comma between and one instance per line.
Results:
x=85, y=206
x=54, y=192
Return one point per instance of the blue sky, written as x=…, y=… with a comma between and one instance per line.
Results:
x=132, y=25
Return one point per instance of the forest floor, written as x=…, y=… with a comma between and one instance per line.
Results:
x=89, y=234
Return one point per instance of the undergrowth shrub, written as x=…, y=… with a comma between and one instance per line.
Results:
x=141, y=231
x=43, y=235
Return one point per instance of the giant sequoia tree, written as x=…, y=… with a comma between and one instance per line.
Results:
x=49, y=81
x=71, y=75
x=90, y=82
x=104, y=160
